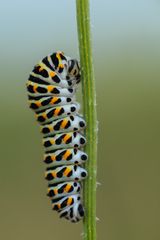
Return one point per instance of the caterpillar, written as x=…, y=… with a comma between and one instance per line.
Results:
x=51, y=88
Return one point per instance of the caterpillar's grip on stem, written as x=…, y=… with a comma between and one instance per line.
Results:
x=51, y=90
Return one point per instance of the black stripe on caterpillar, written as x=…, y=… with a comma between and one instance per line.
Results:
x=51, y=91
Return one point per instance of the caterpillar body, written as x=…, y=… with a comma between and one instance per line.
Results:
x=51, y=92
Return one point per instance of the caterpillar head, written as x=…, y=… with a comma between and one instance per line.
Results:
x=73, y=70
x=66, y=67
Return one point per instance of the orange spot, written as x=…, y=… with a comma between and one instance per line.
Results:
x=54, y=174
x=38, y=103
x=56, y=112
x=69, y=201
x=68, y=169
x=55, y=191
x=67, y=188
x=67, y=153
x=67, y=136
x=52, y=74
x=53, y=157
x=54, y=99
x=59, y=205
x=50, y=88
x=50, y=128
x=40, y=69
x=61, y=65
x=35, y=88
x=52, y=141
x=64, y=123
x=44, y=115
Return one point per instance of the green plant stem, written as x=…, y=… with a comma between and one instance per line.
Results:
x=89, y=107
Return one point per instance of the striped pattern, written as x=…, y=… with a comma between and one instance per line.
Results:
x=51, y=90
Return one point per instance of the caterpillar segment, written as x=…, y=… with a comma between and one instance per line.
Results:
x=65, y=157
x=42, y=103
x=51, y=87
x=54, y=113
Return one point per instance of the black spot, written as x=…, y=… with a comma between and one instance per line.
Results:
x=69, y=82
x=71, y=213
x=75, y=184
x=42, y=73
x=37, y=80
x=71, y=189
x=60, y=173
x=75, y=129
x=69, y=174
x=60, y=155
x=64, y=203
x=75, y=145
x=72, y=118
x=71, y=65
x=74, y=134
x=84, y=157
x=61, y=111
x=41, y=90
x=45, y=130
x=58, y=125
x=48, y=159
x=41, y=119
x=78, y=189
x=68, y=125
x=51, y=193
x=49, y=177
x=56, y=200
x=46, y=102
x=76, y=179
x=58, y=101
x=55, y=90
x=60, y=70
x=62, y=56
x=81, y=124
x=75, y=167
x=82, y=141
x=47, y=143
x=83, y=174
x=75, y=71
x=58, y=141
x=78, y=198
x=46, y=62
x=56, y=79
x=69, y=140
x=54, y=60
x=75, y=151
x=70, y=90
x=50, y=113
x=69, y=99
x=30, y=88
x=33, y=106
x=80, y=210
x=63, y=214
x=55, y=207
x=69, y=157
x=61, y=189
x=73, y=109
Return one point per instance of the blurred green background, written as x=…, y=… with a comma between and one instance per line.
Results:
x=126, y=39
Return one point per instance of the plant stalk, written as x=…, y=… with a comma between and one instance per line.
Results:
x=89, y=108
